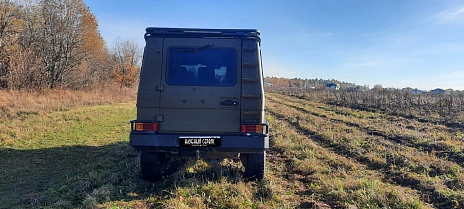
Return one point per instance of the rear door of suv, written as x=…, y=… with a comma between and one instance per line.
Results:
x=201, y=86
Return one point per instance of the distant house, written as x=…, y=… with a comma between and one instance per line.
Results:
x=438, y=91
x=268, y=84
x=335, y=86
x=351, y=88
x=416, y=91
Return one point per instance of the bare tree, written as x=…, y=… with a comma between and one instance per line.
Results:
x=61, y=38
x=25, y=71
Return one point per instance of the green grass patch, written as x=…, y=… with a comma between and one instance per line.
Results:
x=66, y=158
x=81, y=158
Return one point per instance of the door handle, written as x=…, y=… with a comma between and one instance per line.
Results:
x=229, y=103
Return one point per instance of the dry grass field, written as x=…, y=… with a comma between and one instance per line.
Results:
x=14, y=104
x=74, y=153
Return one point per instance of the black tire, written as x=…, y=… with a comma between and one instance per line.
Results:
x=255, y=166
x=151, y=166
x=172, y=165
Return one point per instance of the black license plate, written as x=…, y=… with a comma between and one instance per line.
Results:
x=200, y=141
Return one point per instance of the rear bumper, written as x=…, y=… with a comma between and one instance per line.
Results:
x=149, y=141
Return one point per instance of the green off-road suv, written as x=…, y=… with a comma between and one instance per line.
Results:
x=200, y=96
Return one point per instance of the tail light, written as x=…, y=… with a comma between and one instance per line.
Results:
x=254, y=128
x=145, y=126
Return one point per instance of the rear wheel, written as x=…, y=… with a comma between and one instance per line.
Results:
x=151, y=166
x=255, y=166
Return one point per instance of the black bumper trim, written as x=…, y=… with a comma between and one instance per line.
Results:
x=168, y=143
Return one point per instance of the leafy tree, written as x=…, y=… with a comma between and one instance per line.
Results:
x=127, y=57
x=378, y=87
x=95, y=67
x=11, y=24
x=50, y=44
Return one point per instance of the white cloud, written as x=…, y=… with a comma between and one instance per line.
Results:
x=457, y=13
x=450, y=15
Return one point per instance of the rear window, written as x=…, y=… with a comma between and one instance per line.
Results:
x=189, y=66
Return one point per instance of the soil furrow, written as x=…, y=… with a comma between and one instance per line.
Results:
x=315, y=177
x=438, y=151
x=397, y=177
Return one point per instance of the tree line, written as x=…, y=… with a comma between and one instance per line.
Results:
x=307, y=82
x=57, y=44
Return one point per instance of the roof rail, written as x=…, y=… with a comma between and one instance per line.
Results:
x=202, y=33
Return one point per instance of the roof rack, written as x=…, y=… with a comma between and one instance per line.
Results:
x=202, y=33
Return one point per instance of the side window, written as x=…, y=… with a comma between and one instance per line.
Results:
x=188, y=66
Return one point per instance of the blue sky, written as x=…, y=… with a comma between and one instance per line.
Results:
x=395, y=43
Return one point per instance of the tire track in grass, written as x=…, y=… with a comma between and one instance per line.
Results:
x=280, y=165
x=342, y=111
x=439, y=151
x=453, y=125
x=455, y=181
x=318, y=168
x=385, y=115
x=439, y=167
x=429, y=193
x=282, y=156
x=395, y=177
x=293, y=182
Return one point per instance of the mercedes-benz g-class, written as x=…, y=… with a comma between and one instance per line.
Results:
x=200, y=95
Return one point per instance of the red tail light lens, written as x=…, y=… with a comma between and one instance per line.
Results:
x=146, y=126
x=252, y=129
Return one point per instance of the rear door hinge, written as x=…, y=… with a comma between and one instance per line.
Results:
x=159, y=87
x=159, y=118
